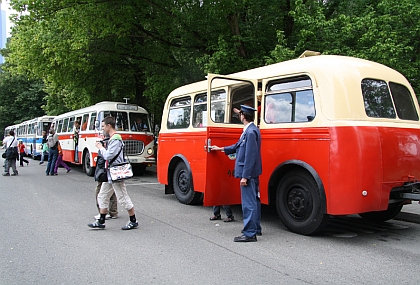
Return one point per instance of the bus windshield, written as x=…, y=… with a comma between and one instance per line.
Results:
x=124, y=121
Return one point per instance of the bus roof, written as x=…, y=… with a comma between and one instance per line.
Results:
x=323, y=65
x=106, y=105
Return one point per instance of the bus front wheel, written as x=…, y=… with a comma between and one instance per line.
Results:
x=183, y=186
x=89, y=170
x=300, y=203
x=382, y=216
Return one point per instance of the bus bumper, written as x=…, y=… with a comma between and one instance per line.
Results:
x=408, y=191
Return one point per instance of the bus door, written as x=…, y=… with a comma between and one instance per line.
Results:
x=225, y=95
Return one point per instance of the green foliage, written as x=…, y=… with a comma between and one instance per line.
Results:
x=93, y=50
x=22, y=99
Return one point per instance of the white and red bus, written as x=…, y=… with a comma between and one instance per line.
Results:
x=340, y=136
x=138, y=141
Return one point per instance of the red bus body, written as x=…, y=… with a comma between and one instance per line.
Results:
x=354, y=162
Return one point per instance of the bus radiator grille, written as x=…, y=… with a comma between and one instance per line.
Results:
x=132, y=147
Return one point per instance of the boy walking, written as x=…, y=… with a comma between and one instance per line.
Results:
x=113, y=150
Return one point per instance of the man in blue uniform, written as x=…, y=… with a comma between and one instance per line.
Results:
x=248, y=168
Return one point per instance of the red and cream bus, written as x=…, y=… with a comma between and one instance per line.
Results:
x=340, y=136
x=138, y=141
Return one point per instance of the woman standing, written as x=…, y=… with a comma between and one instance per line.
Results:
x=22, y=153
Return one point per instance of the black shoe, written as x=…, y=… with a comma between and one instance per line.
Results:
x=244, y=238
x=214, y=218
x=130, y=225
x=55, y=173
x=15, y=174
x=41, y=162
x=6, y=174
x=97, y=225
x=68, y=170
x=259, y=234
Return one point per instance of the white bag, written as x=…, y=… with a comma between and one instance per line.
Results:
x=121, y=171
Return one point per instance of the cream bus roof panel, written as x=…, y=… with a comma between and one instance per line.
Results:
x=330, y=74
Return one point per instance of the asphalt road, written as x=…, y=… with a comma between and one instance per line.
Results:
x=44, y=239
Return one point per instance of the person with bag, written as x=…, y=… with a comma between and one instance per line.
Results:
x=11, y=154
x=100, y=177
x=52, y=143
x=113, y=155
x=22, y=154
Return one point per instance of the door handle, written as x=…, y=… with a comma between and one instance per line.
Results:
x=207, y=146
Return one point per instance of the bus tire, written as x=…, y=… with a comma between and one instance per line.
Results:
x=382, y=216
x=300, y=203
x=89, y=170
x=183, y=186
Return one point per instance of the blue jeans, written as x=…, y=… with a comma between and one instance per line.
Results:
x=52, y=159
x=251, y=207
x=228, y=210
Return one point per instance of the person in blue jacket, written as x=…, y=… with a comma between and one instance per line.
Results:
x=248, y=168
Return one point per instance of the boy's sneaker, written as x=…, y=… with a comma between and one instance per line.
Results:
x=130, y=225
x=97, y=224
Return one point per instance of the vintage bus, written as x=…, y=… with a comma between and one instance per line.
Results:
x=138, y=141
x=30, y=133
x=340, y=135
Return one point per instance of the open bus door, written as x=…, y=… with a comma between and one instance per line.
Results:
x=224, y=128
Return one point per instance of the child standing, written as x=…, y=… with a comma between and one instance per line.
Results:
x=60, y=161
x=22, y=153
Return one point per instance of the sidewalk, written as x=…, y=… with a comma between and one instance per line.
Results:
x=410, y=213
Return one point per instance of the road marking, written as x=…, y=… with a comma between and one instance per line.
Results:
x=149, y=183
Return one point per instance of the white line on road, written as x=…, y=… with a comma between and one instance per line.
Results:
x=151, y=183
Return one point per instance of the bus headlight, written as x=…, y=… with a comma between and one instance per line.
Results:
x=150, y=151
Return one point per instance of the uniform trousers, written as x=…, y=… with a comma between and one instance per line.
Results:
x=251, y=207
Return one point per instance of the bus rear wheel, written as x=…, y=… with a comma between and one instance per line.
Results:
x=89, y=170
x=300, y=203
x=382, y=216
x=183, y=186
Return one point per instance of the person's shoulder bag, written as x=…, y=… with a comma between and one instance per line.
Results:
x=120, y=171
x=11, y=152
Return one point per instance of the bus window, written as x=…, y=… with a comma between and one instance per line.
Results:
x=59, y=126
x=92, y=121
x=243, y=95
x=179, y=113
x=121, y=119
x=200, y=111
x=378, y=103
x=85, y=119
x=139, y=122
x=65, y=125
x=44, y=126
x=296, y=105
x=71, y=124
x=403, y=102
x=217, y=105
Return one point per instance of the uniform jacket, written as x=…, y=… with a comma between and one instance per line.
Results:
x=248, y=153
